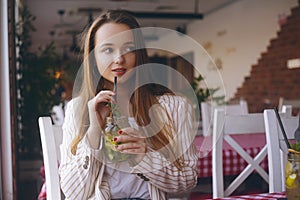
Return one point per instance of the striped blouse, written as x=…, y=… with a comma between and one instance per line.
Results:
x=82, y=175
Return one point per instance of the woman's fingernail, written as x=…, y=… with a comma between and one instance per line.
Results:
x=115, y=139
x=120, y=132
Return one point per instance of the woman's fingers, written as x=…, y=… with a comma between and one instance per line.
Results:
x=104, y=97
x=131, y=147
x=98, y=107
x=128, y=138
x=131, y=131
x=101, y=100
x=130, y=142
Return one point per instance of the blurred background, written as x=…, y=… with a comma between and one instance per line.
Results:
x=253, y=48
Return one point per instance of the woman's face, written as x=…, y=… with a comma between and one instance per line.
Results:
x=114, y=51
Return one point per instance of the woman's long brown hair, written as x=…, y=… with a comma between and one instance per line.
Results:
x=143, y=98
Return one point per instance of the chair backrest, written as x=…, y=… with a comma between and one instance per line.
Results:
x=277, y=149
x=207, y=112
x=224, y=126
x=294, y=103
x=286, y=110
x=51, y=138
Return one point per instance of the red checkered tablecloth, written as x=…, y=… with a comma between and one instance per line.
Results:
x=265, y=196
x=233, y=164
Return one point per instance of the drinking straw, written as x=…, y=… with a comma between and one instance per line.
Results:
x=115, y=88
x=282, y=129
x=111, y=114
x=115, y=97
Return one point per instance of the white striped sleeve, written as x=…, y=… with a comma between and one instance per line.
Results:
x=78, y=173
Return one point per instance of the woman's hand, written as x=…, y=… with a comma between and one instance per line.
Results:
x=131, y=141
x=99, y=109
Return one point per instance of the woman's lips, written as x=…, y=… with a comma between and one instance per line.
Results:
x=119, y=71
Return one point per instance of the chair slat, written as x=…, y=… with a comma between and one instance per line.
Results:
x=51, y=138
x=277, y=149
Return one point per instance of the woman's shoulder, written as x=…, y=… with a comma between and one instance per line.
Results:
x=73, y=102
x=71, y=112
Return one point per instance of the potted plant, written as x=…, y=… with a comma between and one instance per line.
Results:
x=206, y=94
x=36, y=79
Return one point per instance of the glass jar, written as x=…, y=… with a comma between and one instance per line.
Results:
x=113, y=125
x=292, y=175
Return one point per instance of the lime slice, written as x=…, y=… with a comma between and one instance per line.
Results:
x=290, y=180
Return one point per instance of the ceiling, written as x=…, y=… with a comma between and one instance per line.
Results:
x=62, y=20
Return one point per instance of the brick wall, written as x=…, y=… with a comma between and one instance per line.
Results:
x=270, y=78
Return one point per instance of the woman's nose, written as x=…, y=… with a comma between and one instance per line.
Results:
x=119, y=59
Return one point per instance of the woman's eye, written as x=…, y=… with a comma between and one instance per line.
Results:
x=128, y=49
x=107, y=50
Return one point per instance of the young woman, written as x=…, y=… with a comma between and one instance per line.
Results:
x=163, y=158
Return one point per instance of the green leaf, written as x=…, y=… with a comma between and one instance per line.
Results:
x=35, y=83
x=296, y=146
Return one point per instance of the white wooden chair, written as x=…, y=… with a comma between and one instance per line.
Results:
x=277, y=149
x=286, y=110
x=207, y=111
x=224, y=126
x=295, y=103
x=51, y=138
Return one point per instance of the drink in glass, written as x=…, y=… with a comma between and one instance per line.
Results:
x=113, y=125
x=292, y=175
